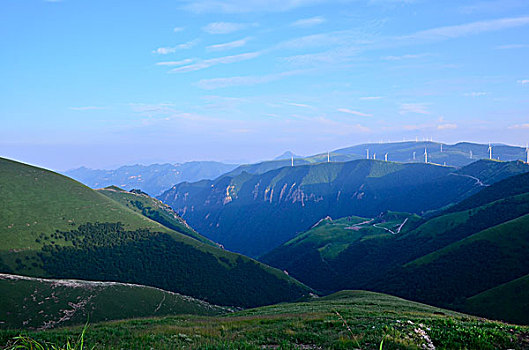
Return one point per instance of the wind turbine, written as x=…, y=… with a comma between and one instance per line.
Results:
x=414, y=155
x=328, y=157
x=490, y=151
x=374, y=156
x=470, y=154
x=386, y=156
x=292, y=160
x=425, y=156
x=367, y=153
x=441, y=148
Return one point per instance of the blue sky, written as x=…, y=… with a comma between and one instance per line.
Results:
x=103, y=84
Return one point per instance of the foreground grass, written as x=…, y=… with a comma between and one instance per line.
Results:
x=345, y=320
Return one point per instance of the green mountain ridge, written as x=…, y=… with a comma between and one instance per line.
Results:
x=54, y=227
x=281, y=203
x=510, y=299
x=152, y=208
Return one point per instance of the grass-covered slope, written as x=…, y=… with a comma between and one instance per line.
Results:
x=52, y=226
x=35, y=303
x=310, y=256
x=253, y=214
x=472, y=265
x=152, y=208
x=345, y=320
x=508, y=301
x=442, y=260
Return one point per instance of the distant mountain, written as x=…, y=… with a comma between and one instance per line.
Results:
x=457, y=155
x=469, y=256
x=254, y=213
x=153, y=179
x=287, y=155
x=61, y=303
x=54, y=227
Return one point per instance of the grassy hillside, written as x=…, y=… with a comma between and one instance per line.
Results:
x=34, y=303
x=442, y=260
x=281, y=203
x=508, y=301
x=346, y=320
x=153, y=179
x=310, y=256
x=53, y=226
x=152, y=208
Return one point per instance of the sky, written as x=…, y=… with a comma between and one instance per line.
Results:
x=107, y=83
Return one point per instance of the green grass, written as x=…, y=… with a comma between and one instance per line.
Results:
x=45, y=303
x=349, y=319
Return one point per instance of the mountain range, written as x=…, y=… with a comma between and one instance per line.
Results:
x=254, y=213
x=152, y=179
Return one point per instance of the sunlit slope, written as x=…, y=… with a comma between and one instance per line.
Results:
x=71, y=231
x=36, y=201
x=34, y=303
x=281, y=203
x=152, y=208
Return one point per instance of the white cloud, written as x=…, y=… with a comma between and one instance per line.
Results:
x=86, y=108
x=228, y=46
x=175, y=63
x=224, y=27
x=370, y=98
x=417, y=108
x=302, y=105
x=349, y=111
x=446, y=126
x=519, y=126
x=405, y=57
x=173, y=49
x=493, y=6
x=178, y=29
x=218, y=83
x=245, y=6
x=476, y=94
x=451, y=32
x=215, y=61
x=309, y=22
x=512, y=46
x=523, y=82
